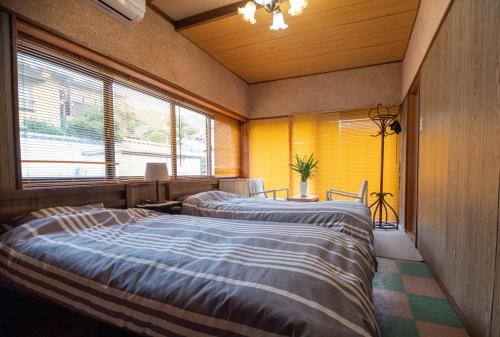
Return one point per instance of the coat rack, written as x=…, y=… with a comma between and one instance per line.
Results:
x=385, y=120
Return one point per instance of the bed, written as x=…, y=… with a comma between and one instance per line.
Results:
x=178, y=275
x=351, y=218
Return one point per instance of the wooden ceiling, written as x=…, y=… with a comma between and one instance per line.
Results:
x=330, y=35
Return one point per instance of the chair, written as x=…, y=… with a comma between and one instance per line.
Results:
x=362, y=196
x=256, y=189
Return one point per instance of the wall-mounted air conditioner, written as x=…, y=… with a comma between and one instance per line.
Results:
x=128, y=11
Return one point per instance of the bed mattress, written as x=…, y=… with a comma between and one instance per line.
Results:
x=351, y=218
x=177, y=275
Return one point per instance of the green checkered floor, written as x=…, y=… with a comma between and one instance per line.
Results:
x=409, y=303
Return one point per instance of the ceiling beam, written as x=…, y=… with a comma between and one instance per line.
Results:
x=208, y=16
x=158, y=11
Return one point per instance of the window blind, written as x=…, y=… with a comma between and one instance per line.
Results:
x=340, y=141
x=142, y=130
x=226, y=146
x=62, y=120
x=81, y=124
x=193, y=142
x=268, y=142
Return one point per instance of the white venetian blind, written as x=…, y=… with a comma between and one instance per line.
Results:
x=142, y=130
x=62, y=120
x=82, y=123
x=193, y=131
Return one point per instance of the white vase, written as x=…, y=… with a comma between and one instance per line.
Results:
x=303, y=188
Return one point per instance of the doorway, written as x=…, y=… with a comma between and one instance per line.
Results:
x=411, y=176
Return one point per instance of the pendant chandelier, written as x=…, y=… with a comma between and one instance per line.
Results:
x=273, y=7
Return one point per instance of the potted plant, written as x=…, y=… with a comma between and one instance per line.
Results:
x=304, y=166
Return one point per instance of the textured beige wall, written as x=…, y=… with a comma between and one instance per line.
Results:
x=430, y=14
x=335, y=91
x=152, y=45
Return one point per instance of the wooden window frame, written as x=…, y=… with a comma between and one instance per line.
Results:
x=25, y=29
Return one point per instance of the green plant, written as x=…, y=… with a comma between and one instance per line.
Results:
x=88, y=125
x=304, y=166
x=32, y=124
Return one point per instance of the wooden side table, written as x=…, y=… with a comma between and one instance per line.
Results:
x=309, y=198
x=170, y=207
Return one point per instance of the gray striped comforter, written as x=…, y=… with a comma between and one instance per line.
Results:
x=348, y=217
x=176, y=275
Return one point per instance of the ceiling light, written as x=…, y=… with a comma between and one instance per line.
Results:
x=296, y=7
x=278, y=21
x=273, y=7
x=248, y=12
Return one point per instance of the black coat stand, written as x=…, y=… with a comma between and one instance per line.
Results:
x=383, y=117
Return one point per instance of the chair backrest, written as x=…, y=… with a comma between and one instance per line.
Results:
x=256, y=185
x=363, y=192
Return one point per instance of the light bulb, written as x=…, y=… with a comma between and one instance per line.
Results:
x=278, y=21
x=263, y=2
x=296, y=7
x=248, y=12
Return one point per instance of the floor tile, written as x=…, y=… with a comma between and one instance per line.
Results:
x=414, y=269
x=391, y=326
x=387, y=265
x=426, y=329
x=422, y=286
x=433, y=310
x=390, y=302
x=389, y=281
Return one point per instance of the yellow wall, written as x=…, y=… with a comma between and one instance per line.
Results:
x=340, y=141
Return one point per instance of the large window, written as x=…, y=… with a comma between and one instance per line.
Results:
x=226, y=147
x=340, y=141
x=61, y=121
x=269, y=146
x=193, y=147
x=142, y=130
x=78, y=123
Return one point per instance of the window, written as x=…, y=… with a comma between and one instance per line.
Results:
x=226, y=147
x=80, y=123
x=142, y=130
x=193, y=147
x=340, y=141
x=57, y=140
x=269, y=143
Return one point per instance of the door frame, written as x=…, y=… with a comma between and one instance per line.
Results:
x=411, y=169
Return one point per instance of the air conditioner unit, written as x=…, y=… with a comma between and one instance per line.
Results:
x=127, y=11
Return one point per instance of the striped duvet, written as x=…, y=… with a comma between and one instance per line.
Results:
x=176, y=275
x=349, y=217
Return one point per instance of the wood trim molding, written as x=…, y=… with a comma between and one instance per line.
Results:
x=161, y=13
x=208, y=16
x=59, y=191
x=47, y=36
x=244, y=151
x=15, y=105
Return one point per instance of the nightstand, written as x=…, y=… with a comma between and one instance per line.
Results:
x=309, y=198
x=170, y=207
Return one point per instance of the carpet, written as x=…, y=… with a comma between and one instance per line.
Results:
x=395, y=244
x=409, y=302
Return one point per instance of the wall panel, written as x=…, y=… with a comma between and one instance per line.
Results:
x=495, y=322
x=460, y=157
